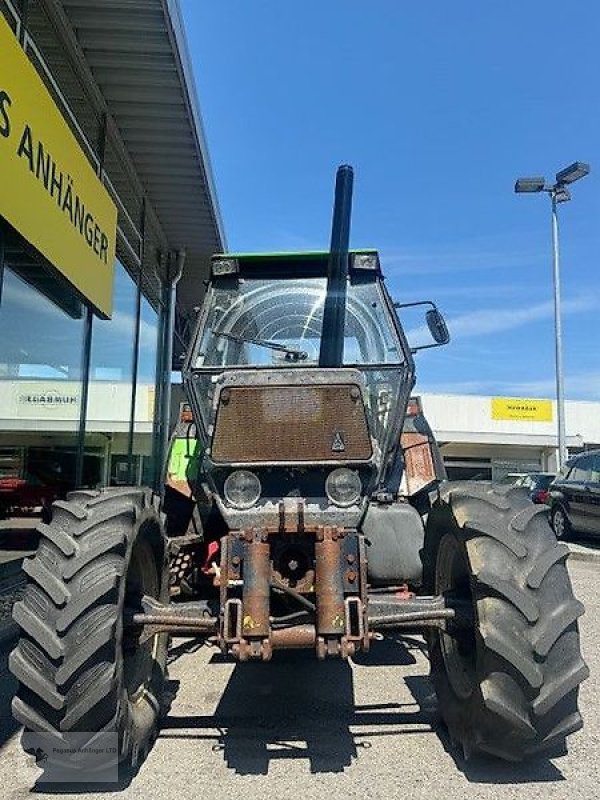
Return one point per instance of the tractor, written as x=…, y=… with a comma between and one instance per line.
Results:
x=305, y=507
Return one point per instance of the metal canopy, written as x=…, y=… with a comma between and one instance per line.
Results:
x=137, y=54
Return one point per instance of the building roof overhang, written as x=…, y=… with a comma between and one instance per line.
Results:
x=134, y=59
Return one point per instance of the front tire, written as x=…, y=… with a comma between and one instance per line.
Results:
x=78, y=666
x=507, y=676
x=560, y=523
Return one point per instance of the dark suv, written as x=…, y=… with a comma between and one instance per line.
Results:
x=575, y=496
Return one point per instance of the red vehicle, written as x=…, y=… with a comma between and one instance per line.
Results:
x=537, y=485
x=27, y=496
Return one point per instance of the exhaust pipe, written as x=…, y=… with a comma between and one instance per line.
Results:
x=331, y=353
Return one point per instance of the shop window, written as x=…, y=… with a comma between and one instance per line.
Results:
x=40, y=341
x=111, y=377
x=481, y=473
x=145, y=405
x=41, y=352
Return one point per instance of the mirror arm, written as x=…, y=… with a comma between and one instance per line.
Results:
x=414, y=350
x=412, y=305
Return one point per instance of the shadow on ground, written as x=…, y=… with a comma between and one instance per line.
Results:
x=8, y=686
x=299, y=708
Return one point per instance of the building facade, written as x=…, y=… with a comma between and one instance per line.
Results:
x=108, y=217
x=488, y=437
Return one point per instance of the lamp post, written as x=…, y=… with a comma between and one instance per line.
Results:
x=559, y=193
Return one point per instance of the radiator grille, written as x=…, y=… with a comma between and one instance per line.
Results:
x=291, y=424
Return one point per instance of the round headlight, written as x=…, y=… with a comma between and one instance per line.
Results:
x=242, y=489
x=343, y=487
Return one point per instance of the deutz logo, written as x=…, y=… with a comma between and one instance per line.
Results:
x=338, y=445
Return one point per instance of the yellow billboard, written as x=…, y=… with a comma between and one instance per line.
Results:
x=523, y=409
x=49, y=191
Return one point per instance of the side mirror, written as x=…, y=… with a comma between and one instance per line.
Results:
x=437, y=326
x=435, y=323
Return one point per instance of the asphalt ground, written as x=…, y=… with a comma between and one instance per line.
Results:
x=300, y=729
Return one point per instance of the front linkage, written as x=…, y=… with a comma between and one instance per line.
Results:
x=330, y=609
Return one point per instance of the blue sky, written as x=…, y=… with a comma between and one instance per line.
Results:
x=439, y=106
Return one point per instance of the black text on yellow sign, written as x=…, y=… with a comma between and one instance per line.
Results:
x=49, y=191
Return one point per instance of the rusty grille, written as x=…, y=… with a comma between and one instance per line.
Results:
x=291, y=424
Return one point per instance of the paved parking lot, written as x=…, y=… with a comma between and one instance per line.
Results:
x=297, y=728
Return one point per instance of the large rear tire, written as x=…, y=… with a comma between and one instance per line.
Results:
x=507, y=678
x=79, y=668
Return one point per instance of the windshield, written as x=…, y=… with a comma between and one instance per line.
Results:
x=274, y=323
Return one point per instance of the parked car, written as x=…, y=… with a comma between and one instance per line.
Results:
x=28, y=495
x=512, y=479
x=575, y=496
x=538, y=485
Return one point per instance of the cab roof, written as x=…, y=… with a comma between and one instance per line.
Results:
x=313, y=263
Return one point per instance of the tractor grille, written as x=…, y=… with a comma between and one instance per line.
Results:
x=291, y=424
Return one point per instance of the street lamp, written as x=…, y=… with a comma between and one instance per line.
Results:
x=558, y=193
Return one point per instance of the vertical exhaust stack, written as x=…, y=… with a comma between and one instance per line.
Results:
x=334, y=312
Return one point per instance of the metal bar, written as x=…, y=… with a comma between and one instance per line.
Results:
x=411, y=617
x=158, y=398
x=175, y=620
x=169, y=302
x=295, y=637
x=15, y=15
x=24, y=20
x=334, y=312
x=136, y=360
x=85, y=387
x=134, y=375
x=102, y=139
x=560, y=388
x=281, y=587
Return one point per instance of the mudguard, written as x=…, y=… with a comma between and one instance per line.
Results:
x=395, y=536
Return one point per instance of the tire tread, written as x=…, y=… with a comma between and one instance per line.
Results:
x=531, y=666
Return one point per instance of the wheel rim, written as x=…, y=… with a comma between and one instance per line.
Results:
x=558, y=523
x=138, y=659
x=459, y=650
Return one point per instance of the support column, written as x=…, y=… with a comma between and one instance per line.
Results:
x=175, y=264
x=85, y=385
x=136, y=353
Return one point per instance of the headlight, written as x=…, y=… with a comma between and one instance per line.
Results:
x=242, y=489
x=343, y=487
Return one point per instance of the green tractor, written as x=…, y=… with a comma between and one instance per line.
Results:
x=305, y=507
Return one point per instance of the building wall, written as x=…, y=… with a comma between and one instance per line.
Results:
x=474, y=444
x=77, y=392
x=470, y=417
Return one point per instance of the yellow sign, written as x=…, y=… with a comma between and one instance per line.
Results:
x=49, y=191
x=522, y=409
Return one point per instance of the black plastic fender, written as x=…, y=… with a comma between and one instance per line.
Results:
x=395, y=536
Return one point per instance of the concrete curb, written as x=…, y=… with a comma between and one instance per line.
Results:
x=583, y=555
x=12, y=567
